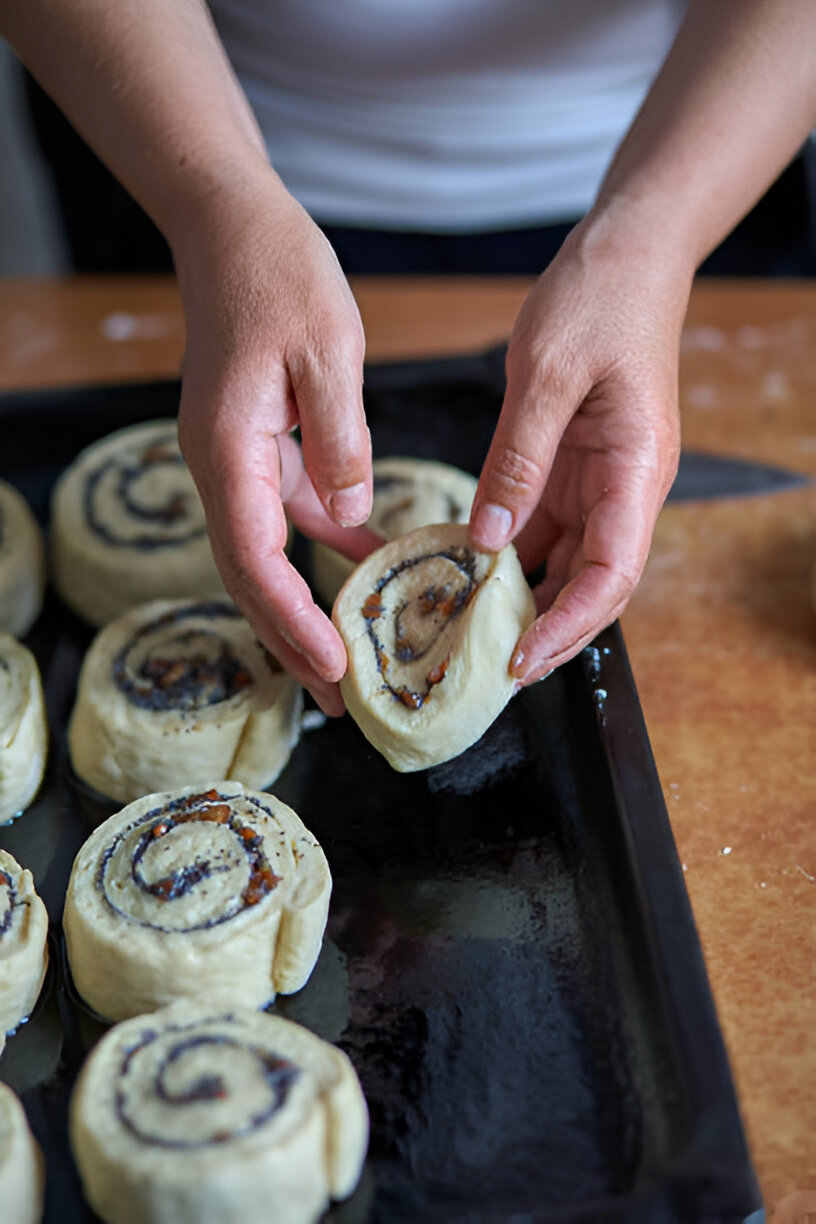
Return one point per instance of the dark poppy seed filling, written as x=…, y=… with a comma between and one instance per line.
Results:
x=156, y=857
x=9, y=902
x=189, y=1086
x=186, y=670
x=151, y=489
x=412, y=606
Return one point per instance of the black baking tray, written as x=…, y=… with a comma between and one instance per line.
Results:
x=511, y=960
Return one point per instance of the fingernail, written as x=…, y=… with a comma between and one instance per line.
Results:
x=492, y=526
x=329, y=662
x=351, y=506
x=517, y=663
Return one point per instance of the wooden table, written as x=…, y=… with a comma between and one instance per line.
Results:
x=721, y=631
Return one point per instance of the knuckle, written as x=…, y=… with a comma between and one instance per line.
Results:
x=515, y=474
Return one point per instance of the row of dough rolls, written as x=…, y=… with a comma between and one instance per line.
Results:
x=207, y=897
x=186, y=912
x=194, y=905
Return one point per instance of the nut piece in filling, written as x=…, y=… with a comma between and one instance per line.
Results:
x=213, y=892
x=430, y=625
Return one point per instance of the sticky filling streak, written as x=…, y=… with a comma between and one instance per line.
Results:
x=211, y=807
x=7, y=914
x=431, y=600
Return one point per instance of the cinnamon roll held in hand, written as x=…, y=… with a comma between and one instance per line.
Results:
x=408, y=493
x=430, y=625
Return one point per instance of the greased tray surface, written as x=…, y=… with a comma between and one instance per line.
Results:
x=510, y=961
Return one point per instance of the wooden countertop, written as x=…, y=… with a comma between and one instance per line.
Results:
x=721, y=631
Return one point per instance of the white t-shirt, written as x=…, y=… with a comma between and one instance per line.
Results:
x=450, y=115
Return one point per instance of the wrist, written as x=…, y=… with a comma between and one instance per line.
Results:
x=217, y=207
x=640, y=236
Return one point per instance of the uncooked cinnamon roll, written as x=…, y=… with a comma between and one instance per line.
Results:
x=430, y=625
x=408, y=493
x=22, y=563
x=23, y=728
x=176, y=691
x=23, y=946
x=22, y=1170
x=190, y=1115
x=127, y=526
x=217, y=893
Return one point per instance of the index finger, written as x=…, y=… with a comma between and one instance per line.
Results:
x=248, y=531
x=327, y=383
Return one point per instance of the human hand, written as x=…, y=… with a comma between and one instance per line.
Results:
x=274, y=340
x=587, y=444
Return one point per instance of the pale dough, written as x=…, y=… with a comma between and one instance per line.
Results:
x=23, y=728
x=127, y=526
x=176, y=691
x=408, y=493
x=213, y=892
x=23, y=946
x=430, y=626
x=22, y=563
x=22, y=1169
x=190, y=1115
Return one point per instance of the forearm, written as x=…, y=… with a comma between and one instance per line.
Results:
x=734, y=101
x=149, y=87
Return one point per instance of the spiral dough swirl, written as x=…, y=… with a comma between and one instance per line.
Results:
x=158, y=858
x=186, y=1086
x=153, y=493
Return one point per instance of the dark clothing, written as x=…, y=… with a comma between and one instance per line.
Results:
x=107, y=231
